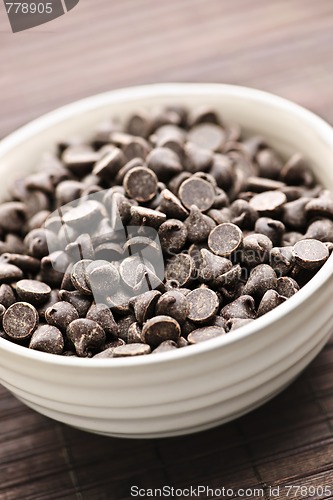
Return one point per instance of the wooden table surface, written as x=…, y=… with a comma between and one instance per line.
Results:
x=281, y=46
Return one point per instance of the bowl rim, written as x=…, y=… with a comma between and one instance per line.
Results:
x=173, y=91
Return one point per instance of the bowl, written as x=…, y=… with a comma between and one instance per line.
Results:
x=204, y=385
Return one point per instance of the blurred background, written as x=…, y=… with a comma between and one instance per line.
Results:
x=282, y=46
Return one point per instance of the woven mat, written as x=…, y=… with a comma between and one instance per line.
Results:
x=281, y=46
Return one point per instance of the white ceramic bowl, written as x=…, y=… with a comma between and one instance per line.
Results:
x=200, y=386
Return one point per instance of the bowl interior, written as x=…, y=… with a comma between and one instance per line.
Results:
x=287, y=127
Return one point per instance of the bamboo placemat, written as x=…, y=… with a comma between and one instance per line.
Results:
x=281, y=46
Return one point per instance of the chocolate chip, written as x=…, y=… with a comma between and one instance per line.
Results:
x=20, y=320
x=164, y=162
x=140, y=183
x=172, y=206
x=271, y=228
x=181, y=267
x=109, y=164
x=25, y=262
x=268, y=202
x=207, y=136
x=225, y=239
x=268, y=161
x=296, y=171
x=197, y=159
x=242, y=214
x=203, y=114
x=53, y=299
x=198, y=225
x=68, y=191
x=38, y=242
x=9, y=273
x=321, y=206
x=196, y=191
x=77, y=299
x=167, y=345
x=172, y=234
x=47, y=339
x=104, y=317
x=203, y=304
x=144, y=305
x=294, y=214
x=205, y=333
x=130, y=350
x=256, y=249
x=79, y=160
x=290, y=238
x=7, y=295
x=222, y=171
x=86, y=335
x=33, y=291
x=261, y=279
x=243, y=307
x=282, y=260
x=286, y=286
x=103, y=279
x=269, y=301
x=310, y=254
x=139, y=123
x=147, y=217
x=321, y=229
x=12, y=216
x=80, y=276
x=212, y=266
x=136, y=148
x=61, y=314
x=160, y=328
x=260, y=184
x=173, y=303
x=220, y=216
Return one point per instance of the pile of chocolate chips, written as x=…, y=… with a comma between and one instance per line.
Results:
x=241, y=230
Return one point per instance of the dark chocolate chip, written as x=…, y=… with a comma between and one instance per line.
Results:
x=212, y=266
x=33, y=291
x=321, y=229
x=310, y=254
x=321, y=206
x=181, y=267
x=268, y=202
x=130, y=350
x=225, y=239
x=196, y=191
x=9, y=273
x=77, y=299
x=205, y=333
x=12, y=216
x=20, y=320
x=243, y=307
x=160, y=328
x=296, y=171
x=175, y=304
x=164, y=162
x=7, y=295
x=256, y=249
x=140, y=183
x=294, y=214
x=86, y=335
x=207, y=136
x=172, y=234
x=147, y=217
x=80, y=276
x=198, y=225
x=144, y=305
x=167, y=345
x=261, y=279
x=109, y=164
x=242, y=214
x=282, y=260
x=61, y=314
x=271, y=228
x=171, y=206
x=286, y=286
x=47, y=339
x=269, y=301
x=203, y=304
